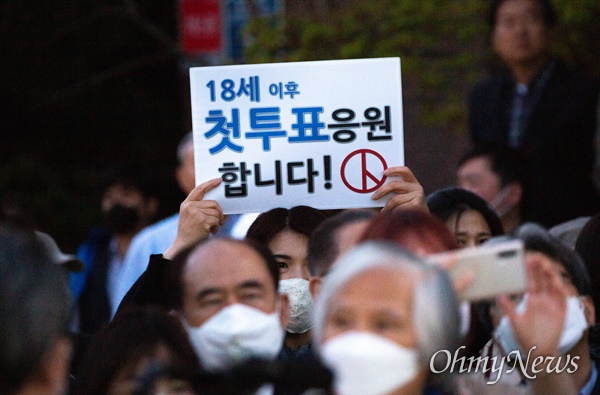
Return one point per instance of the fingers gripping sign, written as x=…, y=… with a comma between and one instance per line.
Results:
x=198, y=218
x=406, y=191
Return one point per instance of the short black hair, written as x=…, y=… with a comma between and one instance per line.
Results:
x=550, y=16
x=322, y=246
x=506, y=162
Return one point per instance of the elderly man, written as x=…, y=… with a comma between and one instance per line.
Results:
x=226, y=294
x=225, y=290
x=35, y=302
x=230, y=305
x=380, y=317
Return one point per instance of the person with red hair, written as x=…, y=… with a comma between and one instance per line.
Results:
x=424, y=235
x=415, y=231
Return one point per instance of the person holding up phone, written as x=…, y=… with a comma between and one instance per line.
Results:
x=551, y=320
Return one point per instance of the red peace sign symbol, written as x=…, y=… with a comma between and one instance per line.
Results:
x=363, y=156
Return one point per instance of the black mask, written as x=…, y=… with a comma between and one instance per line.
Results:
x=122, y=219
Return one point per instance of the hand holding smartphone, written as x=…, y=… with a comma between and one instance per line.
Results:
x=496, y=269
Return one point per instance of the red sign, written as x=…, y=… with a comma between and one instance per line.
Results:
x=200, y=26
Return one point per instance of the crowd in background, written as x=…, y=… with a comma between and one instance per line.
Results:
x=300, y=300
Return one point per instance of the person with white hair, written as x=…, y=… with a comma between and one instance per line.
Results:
x=381, y=315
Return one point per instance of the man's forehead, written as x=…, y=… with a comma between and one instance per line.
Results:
x=518, y=6
x=224, y=261
x=403, y=280
x=481, y=163
x=122, y=188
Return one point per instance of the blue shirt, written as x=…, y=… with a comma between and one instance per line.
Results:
x=591, y=383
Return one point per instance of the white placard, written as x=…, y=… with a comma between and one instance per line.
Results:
x=305, y=133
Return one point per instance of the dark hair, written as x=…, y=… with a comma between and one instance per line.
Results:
x=402, y=227
x=446, y=202
x=301, y=219
x=504, y=161
x=550, y=16
x=35, y=303
x=174, y=284
x=588, y=248
x=536, y=238
x=131, y=336
x=322, y=244
x=130, y=176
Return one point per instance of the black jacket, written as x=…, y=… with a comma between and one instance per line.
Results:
x=558, y=146
x=289, y=376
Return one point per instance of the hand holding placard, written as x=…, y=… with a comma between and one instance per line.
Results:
x=409, y=194
x=198, y=218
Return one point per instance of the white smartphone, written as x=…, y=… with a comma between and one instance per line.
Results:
x=497, y=268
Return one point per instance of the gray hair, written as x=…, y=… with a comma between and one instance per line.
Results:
x=183, y=146
x=34, y=306
x=435, y=307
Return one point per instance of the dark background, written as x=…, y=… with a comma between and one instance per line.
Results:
x=84, y=84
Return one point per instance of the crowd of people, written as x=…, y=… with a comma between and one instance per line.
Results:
x=300, y=300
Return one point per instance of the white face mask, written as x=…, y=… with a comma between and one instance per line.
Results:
x=300, y=304
x=574, y=327
x=365, y=363
x=236, y=333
